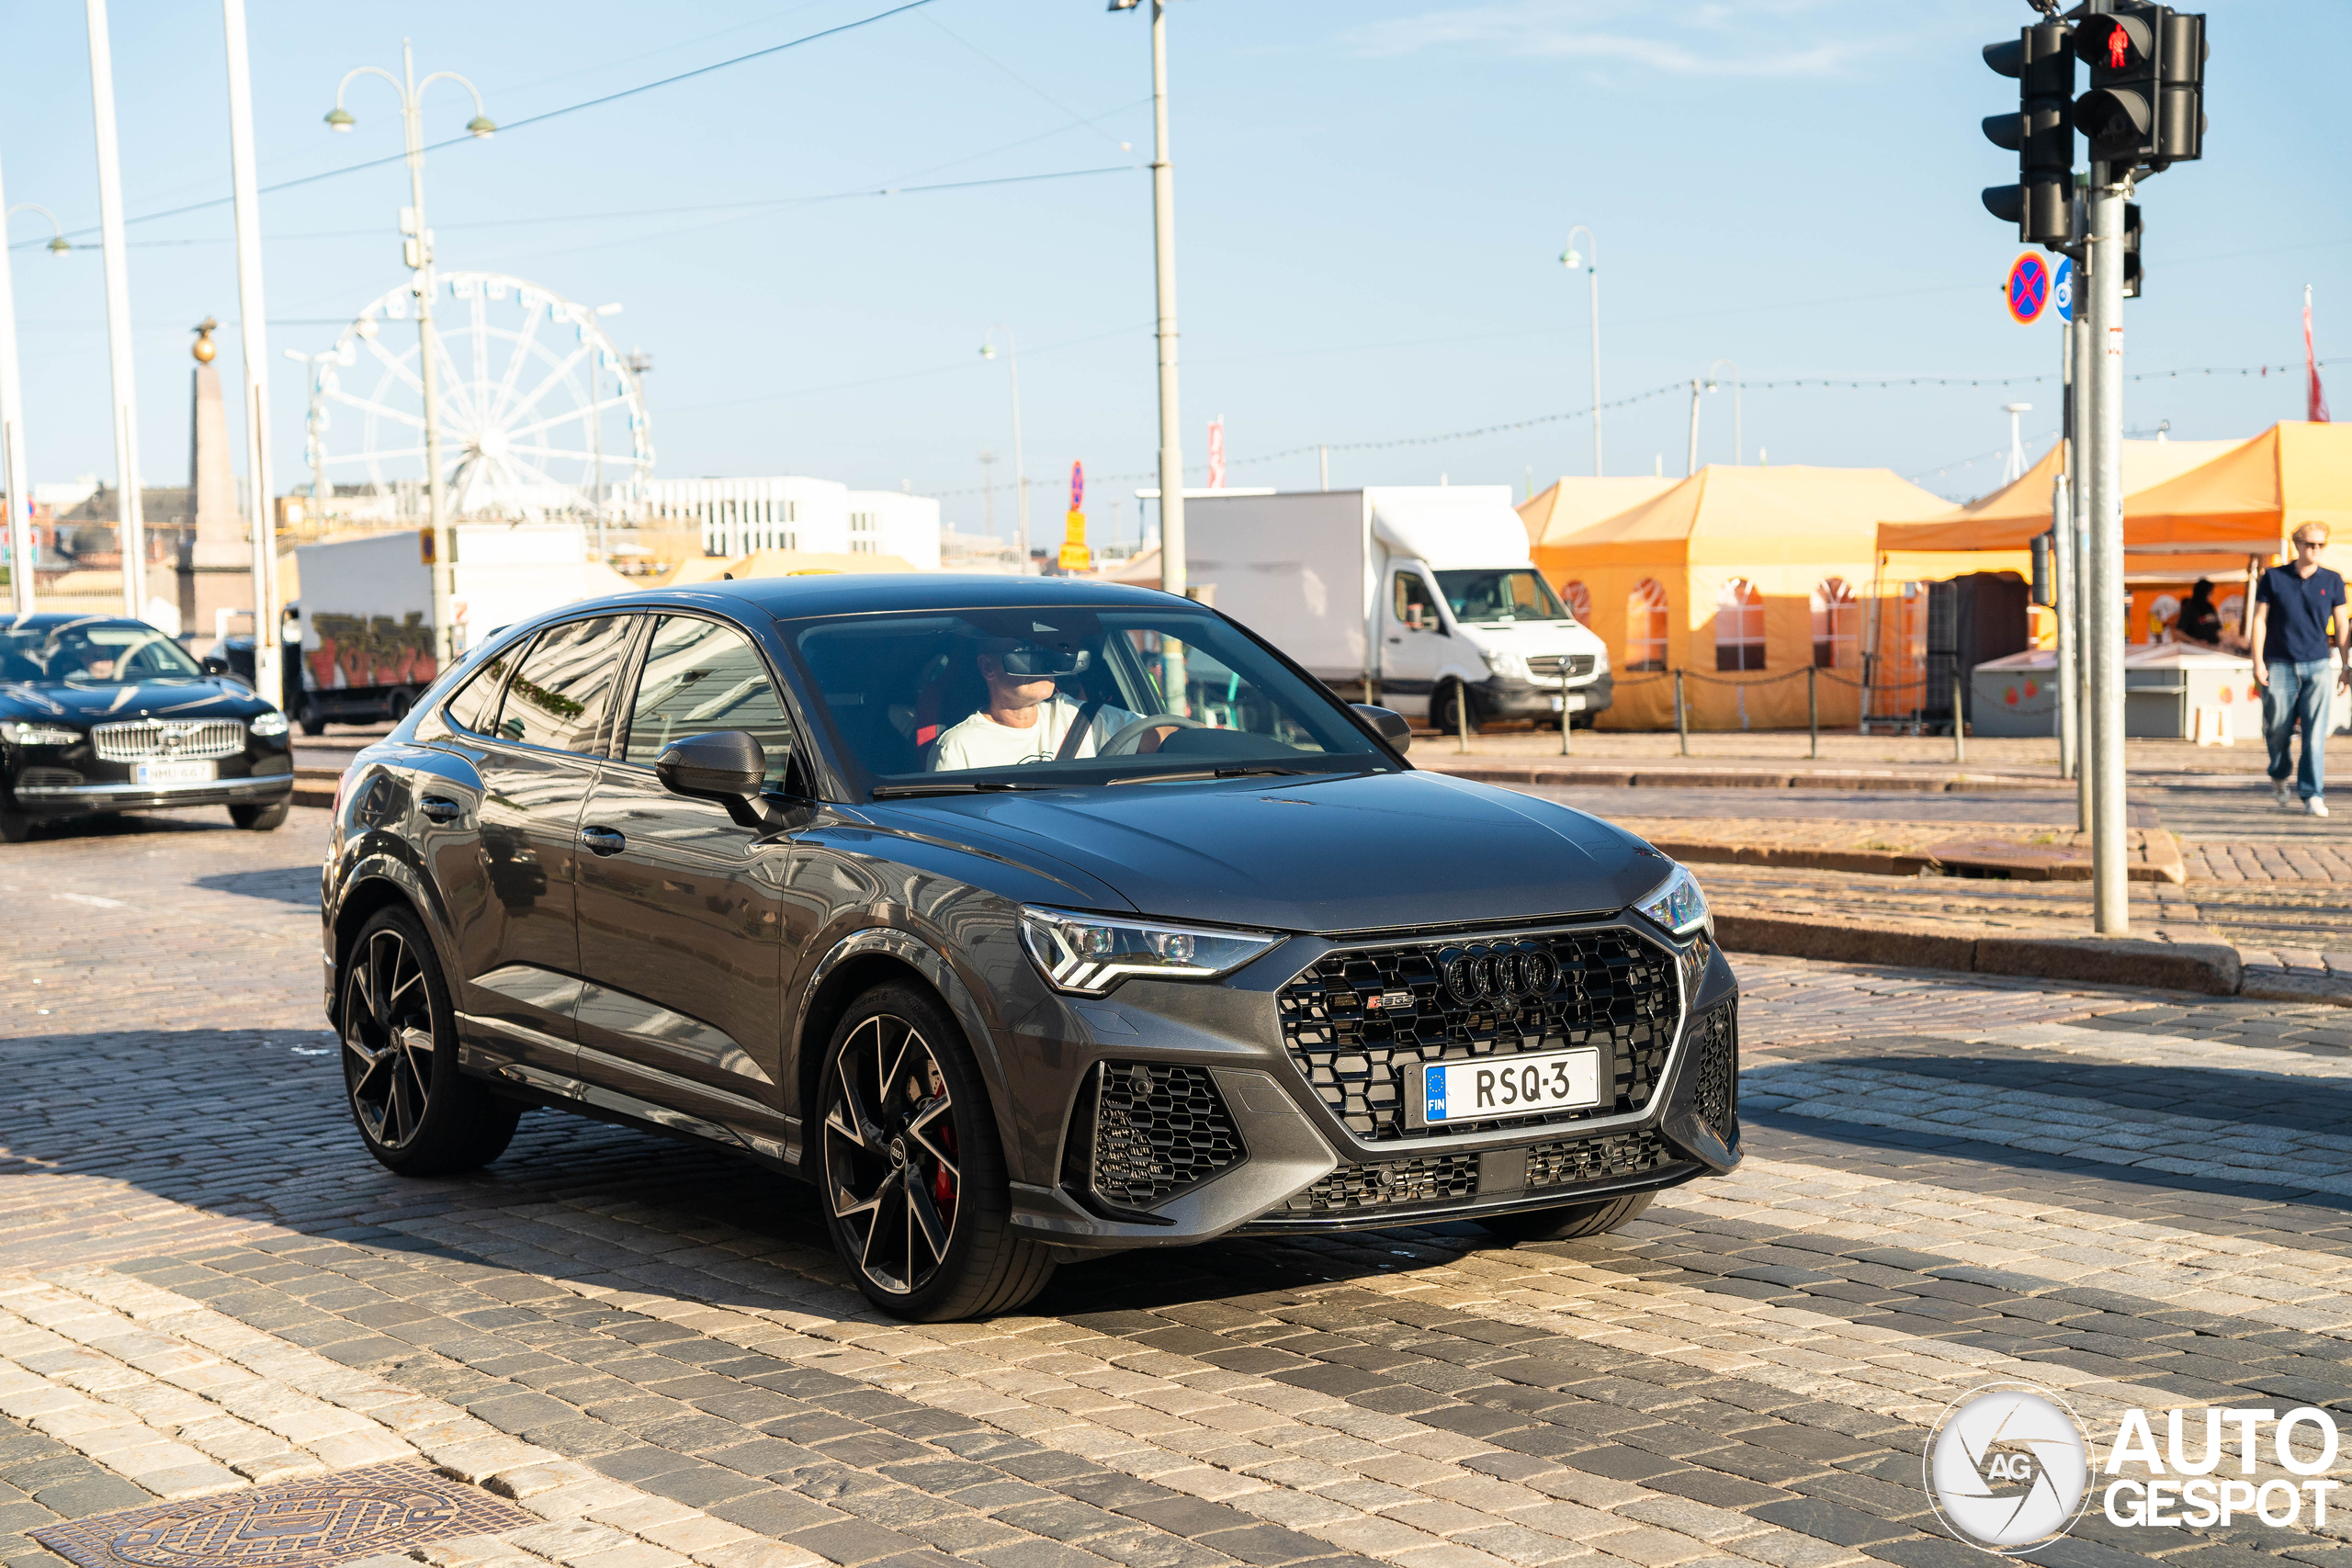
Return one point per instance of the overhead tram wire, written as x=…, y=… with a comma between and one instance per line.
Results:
x=541, y=119
x=1671, y=388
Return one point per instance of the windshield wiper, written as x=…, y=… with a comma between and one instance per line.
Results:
x=1223, y=774
x=951, y=787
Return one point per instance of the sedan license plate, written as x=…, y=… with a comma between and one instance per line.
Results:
x=1492, y=1086
x=173, y=773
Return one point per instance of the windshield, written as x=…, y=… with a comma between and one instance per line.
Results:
x=92, y=653
x=1514, y=594
x=983, y=698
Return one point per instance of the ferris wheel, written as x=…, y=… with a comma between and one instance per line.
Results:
x=541, y=415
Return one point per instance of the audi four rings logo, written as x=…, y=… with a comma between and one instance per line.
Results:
x=1481, y=974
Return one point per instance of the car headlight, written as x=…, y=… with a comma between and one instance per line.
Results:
x=270, y=723
x=1509, y=666
x=25, y=734
x=1677, y=906
x=1090, y=953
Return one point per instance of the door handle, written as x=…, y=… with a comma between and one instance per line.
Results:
x=441, y=809
x=603, y=840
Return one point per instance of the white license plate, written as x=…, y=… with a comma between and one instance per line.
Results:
x=1492, y=1086
x=174, y=773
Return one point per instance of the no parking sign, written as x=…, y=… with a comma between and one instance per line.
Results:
x=2028, y=287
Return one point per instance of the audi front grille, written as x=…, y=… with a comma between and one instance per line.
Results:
x=1362, y=1017
x=149, y=739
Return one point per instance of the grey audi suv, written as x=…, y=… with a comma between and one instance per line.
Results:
x=1027, y=920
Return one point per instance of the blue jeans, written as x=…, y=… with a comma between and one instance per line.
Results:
x=2299, y=693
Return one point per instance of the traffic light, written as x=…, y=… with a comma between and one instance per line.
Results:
x=2131, y=250
x=2040, y=203
x=2146, y=102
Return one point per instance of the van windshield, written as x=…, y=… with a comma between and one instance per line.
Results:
x=1517, y=593
x=1070, y=696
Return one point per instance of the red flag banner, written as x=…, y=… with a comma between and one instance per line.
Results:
x=2316, y=408
x=1217, y=454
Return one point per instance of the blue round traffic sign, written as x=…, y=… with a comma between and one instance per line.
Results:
x=2062, y=289
x=2028, y=287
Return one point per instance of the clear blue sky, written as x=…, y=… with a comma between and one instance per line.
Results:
x=1372, y=197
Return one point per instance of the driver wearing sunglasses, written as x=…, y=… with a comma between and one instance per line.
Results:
x=1027, y=719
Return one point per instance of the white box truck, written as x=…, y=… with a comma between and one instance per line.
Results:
x=1416, y=593
x=366, y=609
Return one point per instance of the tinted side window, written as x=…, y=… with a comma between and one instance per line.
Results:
x=700, y=676
x=563, y=685
x=475, y=707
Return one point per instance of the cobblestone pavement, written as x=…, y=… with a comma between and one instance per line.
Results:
x=205, y=1283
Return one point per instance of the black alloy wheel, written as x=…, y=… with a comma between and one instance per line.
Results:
x=915, y=1190
x=1569, y=1221
x=418, y=1114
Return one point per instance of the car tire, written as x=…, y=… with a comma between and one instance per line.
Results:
x=15, y=827
x=1569, y=1221
x=418, y=1114
x=1442, y=709
x=906, y=1131
x=397, y=706
x=306, y=715
x=259, y=818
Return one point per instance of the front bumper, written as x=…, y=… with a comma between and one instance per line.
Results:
x=86, y=798
x=1513, y=698
x=1303, y=1167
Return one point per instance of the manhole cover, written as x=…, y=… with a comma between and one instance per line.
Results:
x=296, y=1523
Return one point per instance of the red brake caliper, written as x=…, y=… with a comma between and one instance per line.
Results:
x=941, y=1191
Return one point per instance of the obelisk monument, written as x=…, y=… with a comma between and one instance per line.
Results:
x=215, y=564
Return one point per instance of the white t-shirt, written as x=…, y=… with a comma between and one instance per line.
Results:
x=980, y=742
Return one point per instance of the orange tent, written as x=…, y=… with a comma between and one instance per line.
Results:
x=2249, y=498
x=1720, y=574
x=2010, y=517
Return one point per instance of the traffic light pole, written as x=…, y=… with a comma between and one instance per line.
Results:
x=2079, y=513
x=2103, y=468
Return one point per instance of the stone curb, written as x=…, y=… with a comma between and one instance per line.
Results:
x=2162, y=863
x=2212, y=968
x=1569, y=774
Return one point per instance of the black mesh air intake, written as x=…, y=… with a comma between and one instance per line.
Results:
x=1597, y=1159
x=1715, y=1034
x=1362, y=1017
x=1157, y=1131
x=1430, y=1179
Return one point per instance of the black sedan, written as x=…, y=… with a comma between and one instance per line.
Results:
x=99, y=714
x=1023, y=918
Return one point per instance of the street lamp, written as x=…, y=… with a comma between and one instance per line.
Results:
x=1572, y=258
x=1737, y=457
x=14, y=476
x=2017, y=444
x=317, y=454
x=417, y=252
x=1020, y=474
x=1163, y=236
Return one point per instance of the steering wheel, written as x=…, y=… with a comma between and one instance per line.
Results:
x=1130, y=736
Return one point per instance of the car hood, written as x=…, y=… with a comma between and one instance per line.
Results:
x=156, y=699
x=1315, y=854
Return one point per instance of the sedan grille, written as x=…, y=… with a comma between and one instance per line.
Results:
x=1553, y=666
x=1358, y=1021
x=147, y=740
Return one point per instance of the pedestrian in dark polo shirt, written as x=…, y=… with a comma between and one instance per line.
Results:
x=2293, y=608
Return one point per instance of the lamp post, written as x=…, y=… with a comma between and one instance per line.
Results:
x=130, y=529
x=417, y=252
x=1589, y=260
x=15, y=472
x=269, y=678
x=2017, y=444
x=1020, y=474
x=1691, y=461
x=1737, y=458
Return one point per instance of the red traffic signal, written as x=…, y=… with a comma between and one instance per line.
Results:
x=2114, y=43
